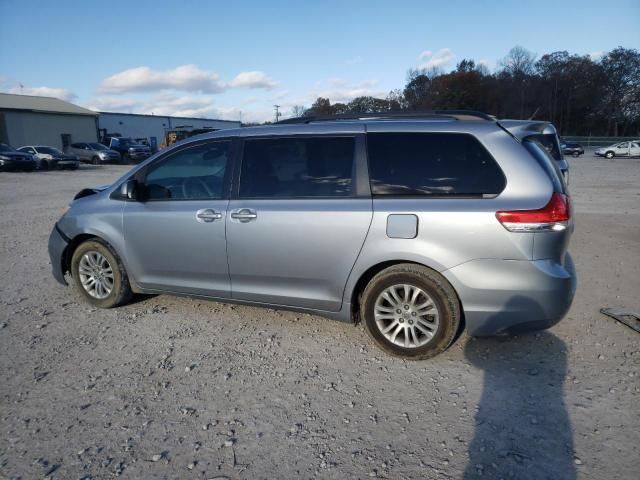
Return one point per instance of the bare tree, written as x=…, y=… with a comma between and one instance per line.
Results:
x=298, y=111
x=518, y=62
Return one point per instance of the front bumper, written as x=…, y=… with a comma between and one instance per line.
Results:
x=68, y=164
x=139, y=155
x=509, y=296
x=17, y=166
x=58, y=243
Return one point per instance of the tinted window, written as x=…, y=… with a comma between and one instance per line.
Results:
x=297, y=167
x=431, y=164
x=48, y=150
x=544, y=158
x=193, y=173
x=550, y=143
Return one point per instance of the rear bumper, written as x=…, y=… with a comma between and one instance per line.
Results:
x=509, y=296
x=57, y=246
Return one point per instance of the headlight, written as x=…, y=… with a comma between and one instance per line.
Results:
x=3, y=157
x=1, y=162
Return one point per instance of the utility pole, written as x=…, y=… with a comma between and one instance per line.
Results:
x=278, y=114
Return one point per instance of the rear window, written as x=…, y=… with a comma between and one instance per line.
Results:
x=297, y=167
x=437, y=164
x=543, y=157
x=549, y=142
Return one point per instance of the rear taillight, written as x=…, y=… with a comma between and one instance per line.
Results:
x=554, y=217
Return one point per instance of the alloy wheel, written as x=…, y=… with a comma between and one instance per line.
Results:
x=96, y=274
x=406, y=316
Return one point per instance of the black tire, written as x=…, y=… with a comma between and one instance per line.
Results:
x=44, y=165
x=121, y=291
x=576, y=154
x=95, y=161
x=434, y=285
x=609, y=155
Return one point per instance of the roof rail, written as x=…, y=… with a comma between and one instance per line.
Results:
x=427, y=115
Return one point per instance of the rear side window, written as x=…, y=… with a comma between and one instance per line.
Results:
x=438, y=164
x=544, y=158
x=550, y=143
x=297, y=167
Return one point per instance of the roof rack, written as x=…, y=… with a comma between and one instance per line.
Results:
x=427, y=115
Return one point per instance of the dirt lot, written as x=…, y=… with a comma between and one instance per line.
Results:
x=176, y=388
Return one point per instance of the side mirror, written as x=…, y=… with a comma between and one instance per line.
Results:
x=130, y=190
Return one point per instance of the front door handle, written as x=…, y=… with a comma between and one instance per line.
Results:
x=244, y=215
x=207, y=215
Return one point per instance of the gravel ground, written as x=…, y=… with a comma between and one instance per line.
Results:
x=171, y=387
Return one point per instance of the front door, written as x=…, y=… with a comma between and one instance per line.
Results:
x=622, y=149
x=175, y=237
x=296, y=228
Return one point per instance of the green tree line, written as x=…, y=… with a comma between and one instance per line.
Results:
x=579, y=94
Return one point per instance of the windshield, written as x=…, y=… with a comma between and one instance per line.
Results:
x=98, y=146
x=48, y=150
x=125, y=142
x=5, y=148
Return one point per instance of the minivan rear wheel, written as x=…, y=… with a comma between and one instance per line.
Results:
x=99, y=275
x=410, y=311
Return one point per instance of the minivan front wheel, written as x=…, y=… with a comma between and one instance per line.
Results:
x=609, y=155
x=99, y=275
x=410, y=311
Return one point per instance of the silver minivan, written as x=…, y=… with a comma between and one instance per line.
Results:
x=418, y=226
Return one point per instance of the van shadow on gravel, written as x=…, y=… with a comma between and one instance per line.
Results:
x=522, y=428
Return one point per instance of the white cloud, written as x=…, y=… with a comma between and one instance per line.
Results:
x=187, y=78
x=439, y=59
x=112, y=104
x=339, y=90
x=61, y=93
x=488, y=64
x=184, y=77
x=597, y=55
x=253, y=80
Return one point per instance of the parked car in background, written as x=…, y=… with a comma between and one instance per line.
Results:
x=49, y=158
x=94, y=153
x=355, y=218
x=128, y=149
x=571, y=148
x=13, y=160
x=622, y=149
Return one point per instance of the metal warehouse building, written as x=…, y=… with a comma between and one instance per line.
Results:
x=31, y=120
x=153, y=127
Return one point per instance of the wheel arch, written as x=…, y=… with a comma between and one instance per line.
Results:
x=78, y=240
x=365, y=277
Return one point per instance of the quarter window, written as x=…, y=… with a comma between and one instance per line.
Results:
x=297, y=167
x=439, y=164
x=194, y=173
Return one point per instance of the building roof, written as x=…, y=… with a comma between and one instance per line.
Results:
x=9, y=101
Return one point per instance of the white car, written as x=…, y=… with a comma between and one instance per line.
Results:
x=622, y=149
